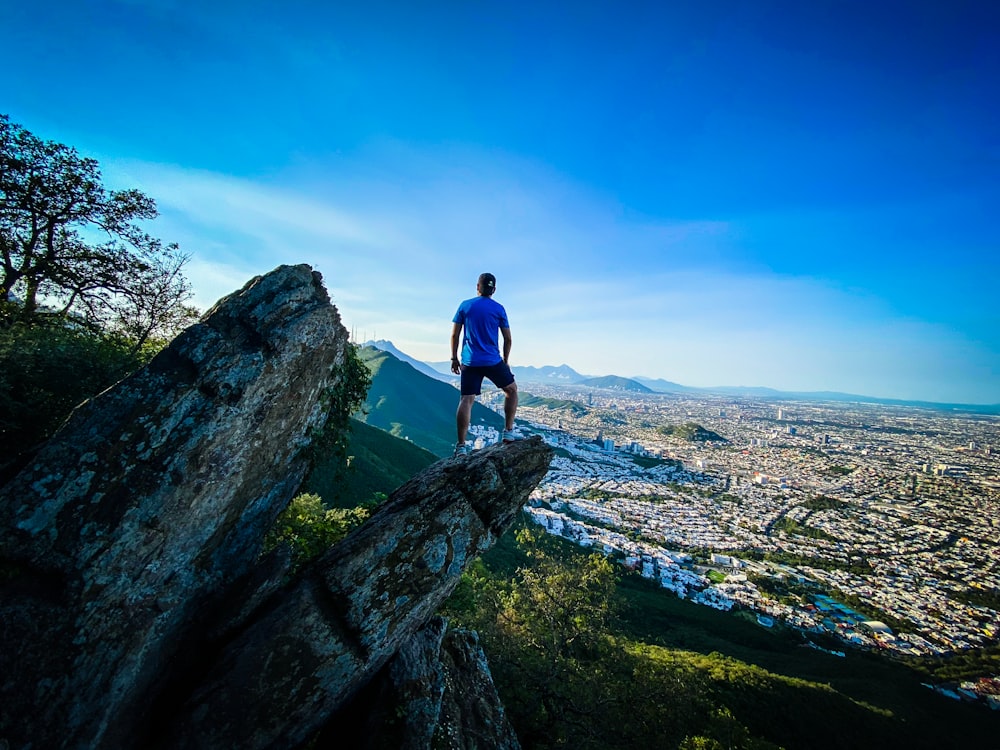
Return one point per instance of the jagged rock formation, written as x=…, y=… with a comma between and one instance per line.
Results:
x=131, y=592
x=437, y=691
x=153, y=498
x=318, y=641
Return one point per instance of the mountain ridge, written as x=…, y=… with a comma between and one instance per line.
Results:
x=408, y=404
x=544, y=374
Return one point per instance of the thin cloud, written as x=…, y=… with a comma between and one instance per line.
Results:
x=401, y=240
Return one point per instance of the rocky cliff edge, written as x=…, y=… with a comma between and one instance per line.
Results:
x=134, y=604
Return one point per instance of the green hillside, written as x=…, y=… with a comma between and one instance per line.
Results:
x=616, y=383
x=553, y=404
x=413, y=406
x=378, y=462
x=692, y=432
x=667, y=673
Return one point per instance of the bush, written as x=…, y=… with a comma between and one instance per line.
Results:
x=309, y=528
x=46, y=369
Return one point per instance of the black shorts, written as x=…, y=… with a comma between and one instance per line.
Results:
x=472, y=377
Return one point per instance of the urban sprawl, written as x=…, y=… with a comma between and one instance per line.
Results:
x=876, y=524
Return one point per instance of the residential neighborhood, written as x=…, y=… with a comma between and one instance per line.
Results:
x=876, y=524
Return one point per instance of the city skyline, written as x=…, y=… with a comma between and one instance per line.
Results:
x=778, y=196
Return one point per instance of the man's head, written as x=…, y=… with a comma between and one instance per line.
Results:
x=487, y=284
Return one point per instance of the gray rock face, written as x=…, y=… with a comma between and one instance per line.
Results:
x=317, y=642
x=472, y=716
x=134, y=607
x=151, y=499
x=436, y=692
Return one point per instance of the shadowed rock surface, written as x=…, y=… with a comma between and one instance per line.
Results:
x=315, y=643
x=150, y=500
x=133, y=603
x=436, y=692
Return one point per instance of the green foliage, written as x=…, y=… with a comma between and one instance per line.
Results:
x=647, y=462
x=47, y=367
x=857, y=565
x=345, y=398
x=70, y=247
x=691, y=432
x=351, y=380
x=724, y=732
x=611, y=419
x=822, y=502
x=545, y=630
x=553, y=404
x=376, y=462
x=309, y=528
x=658, y=671
x=790, y=526
x=86, y=296
x=968, y=665
x=547, y=626
x=836, y=470
x=979, y=597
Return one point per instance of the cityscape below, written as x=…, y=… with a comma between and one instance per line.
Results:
x=873, y=524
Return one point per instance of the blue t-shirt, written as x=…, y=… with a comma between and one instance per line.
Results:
x=481, y=319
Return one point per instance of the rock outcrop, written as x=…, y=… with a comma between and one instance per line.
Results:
x=437, y=691
x=134, y=606
x=316, y=642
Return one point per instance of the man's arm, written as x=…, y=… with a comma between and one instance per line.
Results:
x=505, y=332
x=456, y=336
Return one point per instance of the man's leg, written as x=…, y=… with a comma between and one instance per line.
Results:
x=510, y=404
x=464, y=416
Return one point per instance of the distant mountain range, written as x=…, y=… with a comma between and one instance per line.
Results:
x=665, y=386
x=566, y=375
x=561, y=375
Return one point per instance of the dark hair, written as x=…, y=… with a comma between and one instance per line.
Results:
x=487, y=283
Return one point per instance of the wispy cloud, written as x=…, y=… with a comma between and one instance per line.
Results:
x=400, y=237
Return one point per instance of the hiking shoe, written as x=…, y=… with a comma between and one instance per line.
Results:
x=463, y=449
x=510, y=436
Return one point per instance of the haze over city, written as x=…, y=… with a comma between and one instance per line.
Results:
x=787, y=195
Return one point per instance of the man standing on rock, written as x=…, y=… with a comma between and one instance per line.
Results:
x=481, y=318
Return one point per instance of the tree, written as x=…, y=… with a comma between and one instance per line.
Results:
x=69, y=245
x=309, y=528
x=47, y=368
x=545, y=631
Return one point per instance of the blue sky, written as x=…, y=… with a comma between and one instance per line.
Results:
x=786, y=194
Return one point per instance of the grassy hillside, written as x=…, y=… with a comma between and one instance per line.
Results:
x=692, y=432
x=378, y=462
x=616, y=383
x=412, y=406
x=860, y=700
x=686, y=669
x=575, y=408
